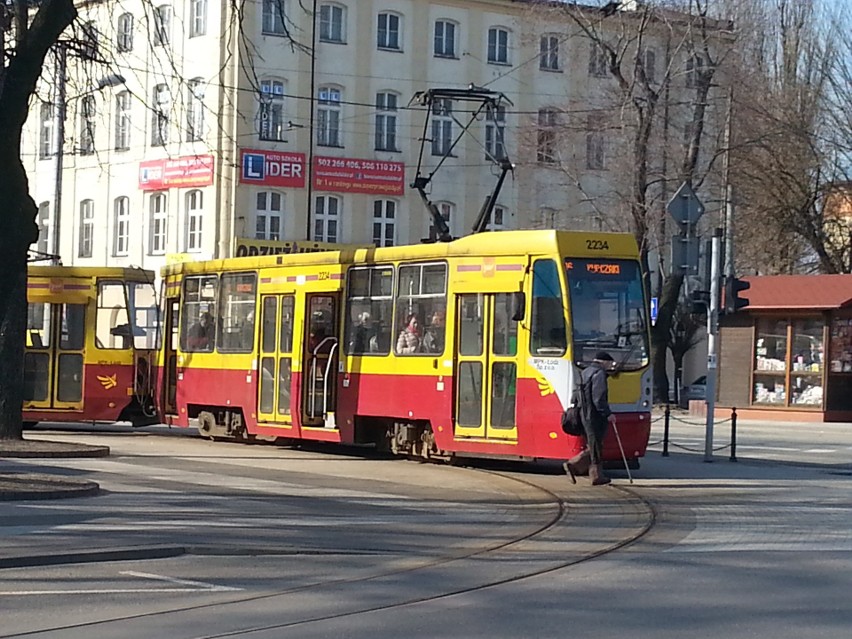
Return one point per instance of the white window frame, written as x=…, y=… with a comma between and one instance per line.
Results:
x=273, y=18
x=269, y=216
x=549, y=53
x=384, y=222
x=445, y=45
x=160, y=112
x=121, y=227
x=89, y=40
x=495, y=133
x=162, y=25
x=197, y=18
x=546, y=138
x=442, y=127
x=44, y=222
x=694, y=64
x=389, y=35
x=87, y=228
x=595, y=144
x=598, y=63
x=447, y=210
x=46, y=129
x=194, y=110
x=194, y=220
x=387, y=104
x=332, y=23
x=328, y=117
x=124, y=32
x=498, y=219
x=88, y=116
x=271, y=113
x=327, y=214
x=158, y=223
x=122, y=121
x=499, y=43
x=649, y=63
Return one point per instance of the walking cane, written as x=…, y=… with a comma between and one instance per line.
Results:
x=623, y=456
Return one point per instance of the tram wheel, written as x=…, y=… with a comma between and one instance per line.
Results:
x=206, y=424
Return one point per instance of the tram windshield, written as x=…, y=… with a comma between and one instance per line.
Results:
x=608, y=311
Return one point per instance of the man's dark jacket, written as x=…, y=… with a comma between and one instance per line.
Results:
x=596, y=397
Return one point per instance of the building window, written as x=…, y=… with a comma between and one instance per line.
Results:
x=694, y=68
x=87, y=125
x=43, y=223
x=125, y=32
x=87, y=228
x=121, y=227
x=268, y=216
x=547, y=122
x=442, y=127
x=384, y=222
x=162, y=104
x=197, y=18
x=389, y=32
x=328, y=117
x=649, y=65
x=498, y=46
x=158, y=219
x=194, y=220
x=194, y=110
x=446, y=210
x=273, y=17
x=272, y=110
x=495, y=132
x=549, y=218
x=595, y=142
x=549, y=53
x=332, y=20
x=498, y=220
x=327, y=219
x=597, y=61
x=88, y=45
x=445, y=39
x=45, y=146
x=122, y=121
x=386, y=108
x=162, y=25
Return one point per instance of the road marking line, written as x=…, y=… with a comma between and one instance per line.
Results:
x=184, y=582
x=103, y=591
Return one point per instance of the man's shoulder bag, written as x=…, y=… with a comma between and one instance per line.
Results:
x=572, y=418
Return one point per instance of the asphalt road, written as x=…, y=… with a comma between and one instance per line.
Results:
x=275, y=542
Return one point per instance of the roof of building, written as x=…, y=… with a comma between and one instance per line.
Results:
x=805, y=292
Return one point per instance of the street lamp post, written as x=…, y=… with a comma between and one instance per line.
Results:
x=61, y=113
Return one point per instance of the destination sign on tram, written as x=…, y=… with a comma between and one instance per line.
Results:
x=594, y=267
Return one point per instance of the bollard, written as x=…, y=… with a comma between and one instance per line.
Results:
x=733, y=457
x=666, y=432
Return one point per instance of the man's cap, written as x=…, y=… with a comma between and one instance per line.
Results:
x=603, y=356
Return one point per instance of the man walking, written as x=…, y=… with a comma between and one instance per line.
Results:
x=597, y=416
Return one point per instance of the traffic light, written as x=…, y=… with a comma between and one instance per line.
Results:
x=699, y=302
x=733, y=301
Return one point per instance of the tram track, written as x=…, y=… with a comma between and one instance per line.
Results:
x=562, y=507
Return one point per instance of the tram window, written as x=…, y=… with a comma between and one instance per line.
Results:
x=470, y=328
x=421, y=307
x=548, y=336
x=112, y=325
x=503, y=393
x=73, y=327
x=237, y=300
x=285, y=339
x=144, y=314
x=369, y=311
x=38, y=325
x=505, y=328
x=269, y=319
x=198, y=321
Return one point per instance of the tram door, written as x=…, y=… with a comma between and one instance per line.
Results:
x=319, y=360
x=53, y=362
x=276, y=358
x=170, y=338
x=486, y=366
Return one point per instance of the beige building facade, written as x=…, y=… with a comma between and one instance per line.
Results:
x=191, y=133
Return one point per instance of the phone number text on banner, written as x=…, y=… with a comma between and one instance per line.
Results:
x=350, y=175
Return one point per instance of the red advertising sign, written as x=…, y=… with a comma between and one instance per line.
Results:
x=375, y=177
x=272, y=168
x=190, y=170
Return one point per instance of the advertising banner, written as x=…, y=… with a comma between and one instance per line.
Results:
x=349, y=175
x=272, y=168
x=176, y=173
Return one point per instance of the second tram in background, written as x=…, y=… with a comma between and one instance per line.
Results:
x=91, y=345
x=468, y=347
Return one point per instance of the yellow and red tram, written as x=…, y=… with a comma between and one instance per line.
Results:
x=469, y=347
x=91, y=345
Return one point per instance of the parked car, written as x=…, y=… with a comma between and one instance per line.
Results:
x=697, y=390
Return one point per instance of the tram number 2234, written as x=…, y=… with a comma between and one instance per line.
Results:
x=597, y=245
